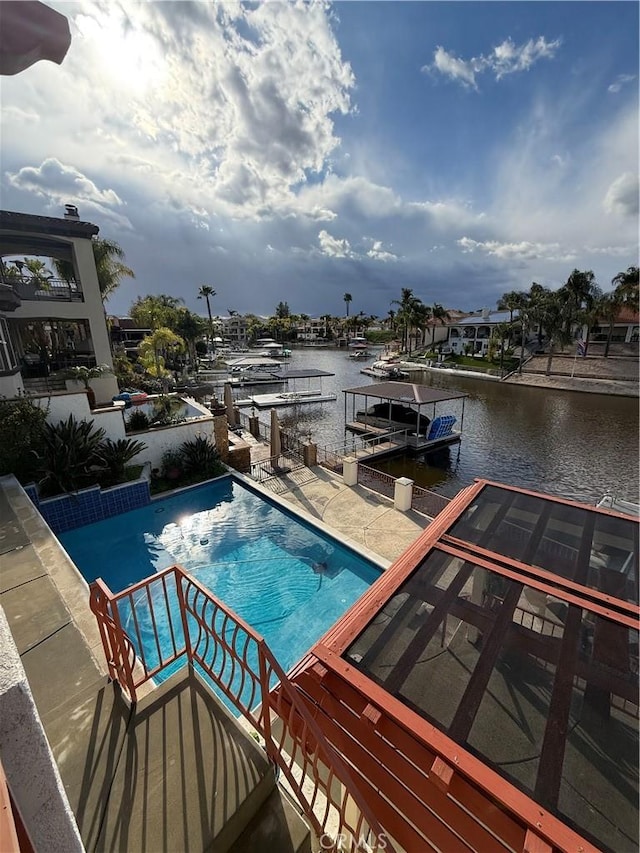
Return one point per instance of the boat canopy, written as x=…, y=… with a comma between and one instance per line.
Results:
x=405, y=392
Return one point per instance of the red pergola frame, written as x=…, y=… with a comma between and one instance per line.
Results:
x=326, y=656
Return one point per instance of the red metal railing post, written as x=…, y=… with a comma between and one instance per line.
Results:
x=266, y=699
x=182, y=578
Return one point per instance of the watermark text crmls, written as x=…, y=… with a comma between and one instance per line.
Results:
x=348, y=843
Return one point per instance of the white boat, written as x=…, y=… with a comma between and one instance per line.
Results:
x=384, y=370
x=610, y=501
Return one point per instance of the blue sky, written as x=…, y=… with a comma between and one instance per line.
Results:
x=295, y=152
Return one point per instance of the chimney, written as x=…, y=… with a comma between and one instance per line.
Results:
x=71, y=212
x=485, y=313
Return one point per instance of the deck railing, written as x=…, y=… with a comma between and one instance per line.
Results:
x=54, y=289
x=199, y=630
x=379, y=481
x=428, y=502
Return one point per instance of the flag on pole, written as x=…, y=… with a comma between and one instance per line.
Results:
x=581, y=348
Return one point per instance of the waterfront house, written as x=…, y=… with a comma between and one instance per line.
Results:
x=47, y=324
x=473, y=331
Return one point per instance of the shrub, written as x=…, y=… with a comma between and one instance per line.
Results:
x=201, y=457
x=116, y=455
x=70, y=457
x=22, y=425
x=137, y=420
x=172, y=464
x=165, y=411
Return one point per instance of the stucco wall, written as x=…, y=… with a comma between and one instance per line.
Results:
x=27, y=759
x=165, y=438
x=111, y=420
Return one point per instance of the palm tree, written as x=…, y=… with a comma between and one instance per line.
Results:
x=154, y=350
x=579, y=293
x=406, y=315
x=347, y=299
x=501, y=332
x=207, y=292
x=39, y=274
x=110, y=267
x=554, y=312
x=626, y=287
x=156, y=310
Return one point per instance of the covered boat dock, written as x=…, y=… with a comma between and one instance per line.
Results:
x=407, y=410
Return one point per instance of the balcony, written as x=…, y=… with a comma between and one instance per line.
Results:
x=51, y=290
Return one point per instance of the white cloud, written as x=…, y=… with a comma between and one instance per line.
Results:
x=456, y=69
x=505, y=58
x=620, y=81
x=622, y=196
x=523, y=250
x=232, y=104
x=334, y=247
x=52, y=179
x=378, y=253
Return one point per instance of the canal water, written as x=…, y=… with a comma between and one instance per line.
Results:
x=566, y=443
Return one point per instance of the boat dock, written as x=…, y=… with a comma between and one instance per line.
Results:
x=293, y=396
x=399, y=419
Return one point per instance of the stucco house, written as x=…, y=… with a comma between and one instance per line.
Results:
x=48, y=324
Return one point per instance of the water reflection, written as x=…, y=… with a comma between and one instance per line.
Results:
x=566, y=443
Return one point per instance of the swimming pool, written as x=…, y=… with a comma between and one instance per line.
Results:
x=284, y=577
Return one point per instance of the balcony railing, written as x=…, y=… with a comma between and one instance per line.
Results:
x=53, y=289
x=199, y=630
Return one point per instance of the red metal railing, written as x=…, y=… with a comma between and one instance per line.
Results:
x=156, y=623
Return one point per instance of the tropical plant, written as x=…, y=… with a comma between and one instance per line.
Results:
x=207, y=292
x=116, y=455
x=38, y=273
x=85, y=374
x=166, y=410
x=626, y=287
x=156, y=311
x=172, y=464
x=347, y=299
x=110, y=267
x=154, y=350
x=553, y=315
x=578, y=294
x=137, y=421
x=22, y=425
x=624, y=294
x=70, y=456
x=200, y=456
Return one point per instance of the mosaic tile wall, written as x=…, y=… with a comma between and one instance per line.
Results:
x=66, y=512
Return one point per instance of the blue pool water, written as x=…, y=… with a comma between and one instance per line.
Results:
x=289, y=581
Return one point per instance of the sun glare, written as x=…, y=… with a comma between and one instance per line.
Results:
x=128, y=58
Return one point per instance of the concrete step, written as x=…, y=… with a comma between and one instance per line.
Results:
x=277, y=827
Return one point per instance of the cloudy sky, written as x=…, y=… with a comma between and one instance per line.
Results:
x=295, y=152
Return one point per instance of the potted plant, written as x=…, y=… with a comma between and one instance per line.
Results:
x=85, y=375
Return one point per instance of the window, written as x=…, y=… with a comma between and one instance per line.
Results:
x=8, y=361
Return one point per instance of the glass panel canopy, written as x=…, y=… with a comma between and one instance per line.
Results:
x=544, y=691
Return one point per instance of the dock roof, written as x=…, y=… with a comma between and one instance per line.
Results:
x=405, y=392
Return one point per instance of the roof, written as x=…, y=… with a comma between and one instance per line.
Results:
x=10, y=220
x=493, y=668
x=405, y=392
x=479, y=320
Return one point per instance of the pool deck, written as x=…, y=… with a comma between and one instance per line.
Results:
x=136, y=778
